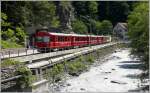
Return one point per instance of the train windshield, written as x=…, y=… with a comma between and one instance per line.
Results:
x=46, y=39
x=42, y=39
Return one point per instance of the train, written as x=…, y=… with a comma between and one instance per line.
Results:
x=48, y=41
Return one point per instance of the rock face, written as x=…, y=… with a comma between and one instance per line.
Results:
x=65, y=13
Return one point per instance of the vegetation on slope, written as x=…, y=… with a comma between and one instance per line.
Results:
x=138, y=22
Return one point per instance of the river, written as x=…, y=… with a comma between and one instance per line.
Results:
x=117, y=74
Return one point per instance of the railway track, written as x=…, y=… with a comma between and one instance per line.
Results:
x=37, y=56
x=14, y=53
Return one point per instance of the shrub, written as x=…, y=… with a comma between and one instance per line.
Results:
x=26, y=80
x=56, y=72
x=10, y=62
x=8, y=44
x=90, y=59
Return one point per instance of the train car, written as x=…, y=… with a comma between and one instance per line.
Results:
x=48, y=40
x=45, y=41
x=79, y=40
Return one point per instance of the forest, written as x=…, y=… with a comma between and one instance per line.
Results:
x=82, y=17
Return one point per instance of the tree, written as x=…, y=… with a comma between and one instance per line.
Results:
x=43, y=13
x=79, y=27
x=98, y=26
x=80, y=7
x=138, y=25
x=85, y=8
x=92, y=9
x=106, y=27
x=18, y=15
x=115, y=11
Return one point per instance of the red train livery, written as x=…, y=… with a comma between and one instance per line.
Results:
x=49, y=40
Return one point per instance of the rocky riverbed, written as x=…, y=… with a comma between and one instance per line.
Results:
x=118, y=72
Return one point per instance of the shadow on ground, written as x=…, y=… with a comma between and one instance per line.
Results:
x=129, y=62
x=131, y=65
x=133, y=76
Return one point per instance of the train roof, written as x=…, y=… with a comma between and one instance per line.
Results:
x=62, y=34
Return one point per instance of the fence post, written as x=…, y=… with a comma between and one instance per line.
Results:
x=2, y=55
x=9, y=53
x=33, y=50
x=26, y=51
x=18, y=52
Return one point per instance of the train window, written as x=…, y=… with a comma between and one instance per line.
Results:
x=61, y=38
x=46, y=39
x=39, y=39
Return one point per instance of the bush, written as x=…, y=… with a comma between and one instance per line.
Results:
x=26, y=80
x=10, y=62
x=9, y=44
x=90, y=59
x=56, y=72
x=76, y=67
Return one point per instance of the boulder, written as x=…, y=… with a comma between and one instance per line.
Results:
x=118, y=82
x=82, y=89
x=68, y=84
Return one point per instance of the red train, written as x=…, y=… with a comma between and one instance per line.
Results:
x=50, y=41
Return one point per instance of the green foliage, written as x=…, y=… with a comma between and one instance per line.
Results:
x=106, y=27
x=16, y=16
x=90, y=59
x=9, y=33
x=20, y=34
x=56, y=72
x=71, y=68
x=85, y=8
x=138, y=25
x=4, y=18
x=9, y=62
x=11, y=38
x=9, y=44
x=26, y=79
x=76, y=67
x=98, y=25
x=79, y=27
x=43, y=13
x=92, y=8
x=20, y=69
x=55, y=22
x=114, y=11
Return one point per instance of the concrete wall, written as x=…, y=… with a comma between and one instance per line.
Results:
x=41, y=87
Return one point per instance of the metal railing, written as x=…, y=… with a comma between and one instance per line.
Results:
x=11, y=79
x=10, y=53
